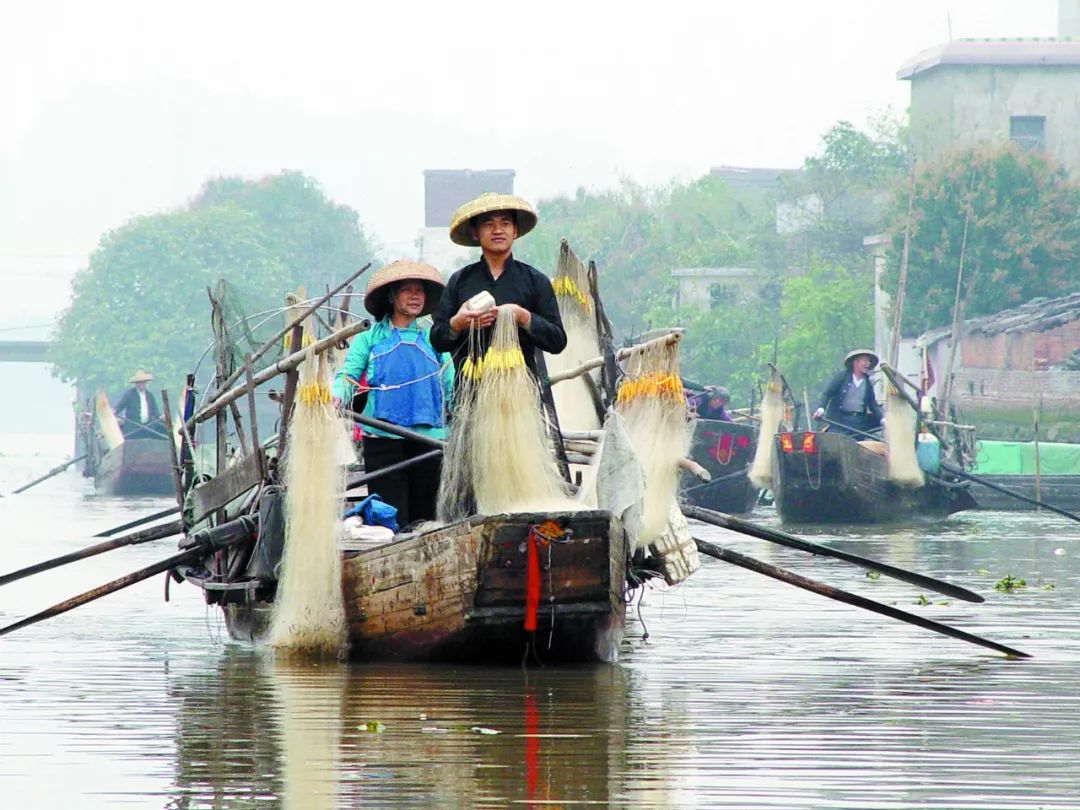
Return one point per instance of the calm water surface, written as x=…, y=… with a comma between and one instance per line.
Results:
x=747, y=693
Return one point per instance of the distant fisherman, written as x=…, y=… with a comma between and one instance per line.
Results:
x=848, y=401
x=138, y=411
x=493, y=222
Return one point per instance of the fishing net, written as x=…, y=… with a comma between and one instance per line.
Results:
x=653, y=406
x=772, y=412
x=903, y=466
x=498, y=458
x=309, y=613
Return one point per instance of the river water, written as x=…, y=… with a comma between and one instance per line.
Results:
x=746, y=693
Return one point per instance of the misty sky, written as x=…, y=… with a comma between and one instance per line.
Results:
x=111, y=109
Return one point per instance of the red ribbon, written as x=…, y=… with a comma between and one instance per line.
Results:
x=532, y=582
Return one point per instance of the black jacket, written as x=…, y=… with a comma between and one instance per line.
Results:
x=833, y=396
x=518, y=284
x=127, y=406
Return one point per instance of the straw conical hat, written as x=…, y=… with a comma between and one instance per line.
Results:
x=375, y=298
x=460, y=231
x=141, y=376
x=874, y=359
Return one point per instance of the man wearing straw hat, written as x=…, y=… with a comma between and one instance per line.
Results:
x=137, y=410
x=492, y=222
x=408, y=384
x=848, y=402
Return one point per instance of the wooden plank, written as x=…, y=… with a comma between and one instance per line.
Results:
x=231, y=484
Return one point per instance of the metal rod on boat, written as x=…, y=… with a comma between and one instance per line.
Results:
x=393, y=468
x=202, y=543
x=735, y=524
x=132, y=524
x=144, y=536
x=49, y=474
x=790, y=577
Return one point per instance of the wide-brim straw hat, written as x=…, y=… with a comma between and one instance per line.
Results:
x=376, y=300
x=141, y=376
x=461, y=221
x=874, y=359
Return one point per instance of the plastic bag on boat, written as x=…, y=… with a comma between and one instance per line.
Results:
x=374, y=511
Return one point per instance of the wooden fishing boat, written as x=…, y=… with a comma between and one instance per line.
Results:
x=135, y=467
x=826, y=477
x=726, y=450
x=459, y=592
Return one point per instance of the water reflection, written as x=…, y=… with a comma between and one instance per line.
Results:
x=747, y=694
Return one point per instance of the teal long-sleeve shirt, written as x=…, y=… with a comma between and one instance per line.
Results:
x=358, y=360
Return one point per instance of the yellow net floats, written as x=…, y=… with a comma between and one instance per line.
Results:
x=656, y=384
x=494, y=360
x=564, y=285
x=313, y=394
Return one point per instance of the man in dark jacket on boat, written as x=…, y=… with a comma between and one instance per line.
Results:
x=492, y=222
x=712, y=404
x=848, y=402
x=138, y=411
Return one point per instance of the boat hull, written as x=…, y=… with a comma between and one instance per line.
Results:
x=459, y=593
x=726, y=450
x=843, y=481
x=136, y=467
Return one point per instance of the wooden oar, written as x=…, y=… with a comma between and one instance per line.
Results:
x=139, y=522
x=135, y=538
x=204, y=543
x=790, y=577
x=49, y=474
x=954, y=470
x=791, y=541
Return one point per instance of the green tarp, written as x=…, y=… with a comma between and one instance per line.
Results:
x=1018, y=458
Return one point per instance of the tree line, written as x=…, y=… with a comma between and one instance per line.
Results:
x=142, y=300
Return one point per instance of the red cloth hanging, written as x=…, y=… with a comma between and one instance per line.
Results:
x=532, y=581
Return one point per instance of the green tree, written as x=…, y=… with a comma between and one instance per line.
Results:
x=142, y=300
x=1023, y=234
x=824, y=314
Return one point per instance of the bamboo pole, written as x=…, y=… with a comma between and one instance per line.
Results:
x=621, y=354
x=901, y=284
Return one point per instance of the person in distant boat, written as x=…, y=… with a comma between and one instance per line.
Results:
x=409, y=384
x=492, y=222
x=712, y=404
x=848, y=403
x=137, y=411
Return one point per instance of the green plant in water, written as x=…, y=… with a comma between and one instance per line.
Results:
x=873, y=575
x=923, y=600
x=1009, y=584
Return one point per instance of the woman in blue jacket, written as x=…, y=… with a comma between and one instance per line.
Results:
x=409, y=384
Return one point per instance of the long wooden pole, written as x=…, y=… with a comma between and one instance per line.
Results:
x=791, y=578
x=958, y=301
x=132, y=524
x=135, y=538
x=54, y=471
x=791, y=541
x=901, y=285
x=223, y=536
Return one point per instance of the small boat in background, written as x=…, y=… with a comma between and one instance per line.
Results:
x=726, y=450
x=826, y=477
x=123, y=466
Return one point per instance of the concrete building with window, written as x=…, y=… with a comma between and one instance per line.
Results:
x=444, y=191
x=969, y=92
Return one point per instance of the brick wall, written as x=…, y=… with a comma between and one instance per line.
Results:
x=1016, y=351
x=1015, y=388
